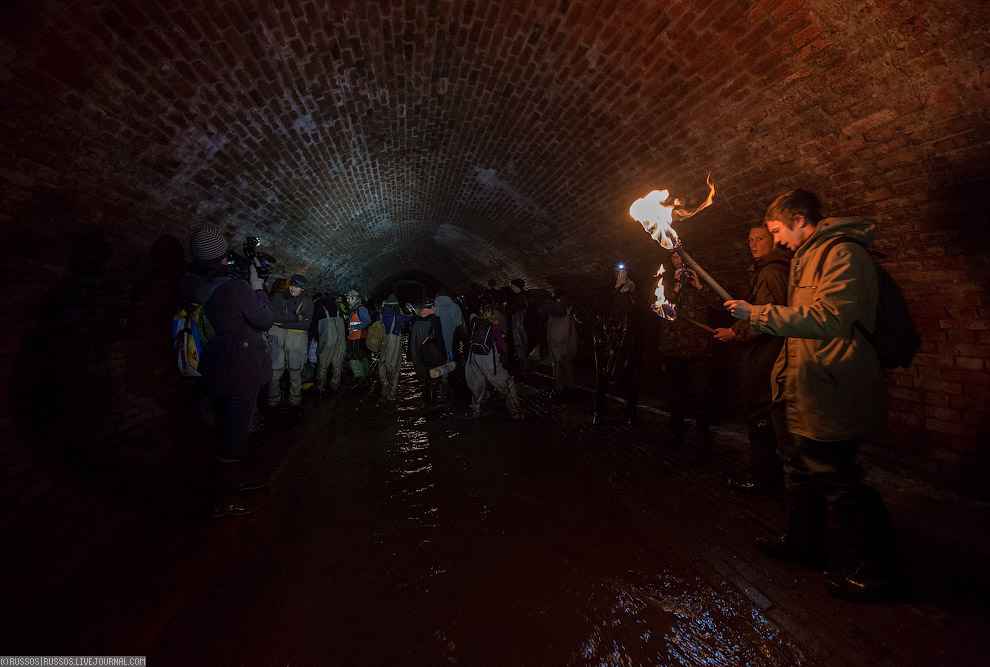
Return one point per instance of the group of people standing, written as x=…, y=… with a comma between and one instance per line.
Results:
x=810, y=378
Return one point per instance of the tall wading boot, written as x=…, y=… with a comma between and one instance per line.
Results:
x=766, y=473
x=257, y=469
x=226, y=482
x=879, y=576
x=804, y=542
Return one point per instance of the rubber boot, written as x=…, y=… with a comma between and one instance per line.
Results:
x=226, y=482
x=866, y=526
x=804, y=541
x=257, y=469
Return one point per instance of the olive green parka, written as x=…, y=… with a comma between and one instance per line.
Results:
x=827, y=372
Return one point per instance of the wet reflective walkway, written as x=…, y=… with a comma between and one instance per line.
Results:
x=398, y=535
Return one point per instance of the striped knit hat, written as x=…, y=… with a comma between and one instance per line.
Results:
x=209, y=243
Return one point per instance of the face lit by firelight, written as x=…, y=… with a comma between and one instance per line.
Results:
x=790, y=238
x=760, y=242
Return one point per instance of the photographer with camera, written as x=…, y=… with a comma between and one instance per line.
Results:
x=293, y=312
x=687, y=352
x=234, y=363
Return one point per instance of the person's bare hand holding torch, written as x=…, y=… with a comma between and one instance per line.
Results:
x=739, y=309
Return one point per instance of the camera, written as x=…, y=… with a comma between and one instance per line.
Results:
x=262, y=261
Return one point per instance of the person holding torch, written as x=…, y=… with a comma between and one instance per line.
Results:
x=827, y=393
x=758, y=352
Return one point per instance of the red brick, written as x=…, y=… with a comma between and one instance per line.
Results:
x=761, y=9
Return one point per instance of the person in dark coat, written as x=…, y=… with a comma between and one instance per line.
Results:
x=234, y=364
x=515, y=313
x=768, y=285
x=687, y=354
x=618, y=345
x=426, y=351
x=562, y=340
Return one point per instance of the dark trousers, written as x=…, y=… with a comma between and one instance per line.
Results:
x=817, y=474
x=234, y=416
x=765, y=465
x=617, y=363
x=688, y=381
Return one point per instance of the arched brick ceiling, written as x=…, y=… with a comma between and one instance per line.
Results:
x=477, y=139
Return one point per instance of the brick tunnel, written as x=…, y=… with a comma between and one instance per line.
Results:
x=438, y=143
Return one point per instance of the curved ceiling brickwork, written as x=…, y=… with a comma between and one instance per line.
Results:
x=476, y=139
x=471, y=140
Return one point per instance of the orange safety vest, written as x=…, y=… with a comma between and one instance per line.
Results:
x=353, y=333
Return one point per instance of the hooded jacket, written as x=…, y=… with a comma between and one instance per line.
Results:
x=827, y=372
x=450, y=318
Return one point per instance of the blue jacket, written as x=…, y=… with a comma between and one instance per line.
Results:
x=393, y=320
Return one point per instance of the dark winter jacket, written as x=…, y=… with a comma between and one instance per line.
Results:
x=235, y=360
x=288, y=308
x=758, y=352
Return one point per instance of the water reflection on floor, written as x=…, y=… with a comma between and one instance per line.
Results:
x=411, y=536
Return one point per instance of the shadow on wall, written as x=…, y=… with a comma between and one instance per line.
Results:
x=969, y=209
x=96, y=387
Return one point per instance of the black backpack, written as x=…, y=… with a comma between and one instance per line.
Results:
x=431, y=349
x=482, y=337
x=896, y=339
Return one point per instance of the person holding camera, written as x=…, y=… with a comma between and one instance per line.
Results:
x=687, y=353
x=293, y=312
x=234, y=362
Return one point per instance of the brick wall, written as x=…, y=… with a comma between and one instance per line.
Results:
x=467, y=140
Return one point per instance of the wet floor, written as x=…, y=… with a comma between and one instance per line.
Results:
x=400, y=535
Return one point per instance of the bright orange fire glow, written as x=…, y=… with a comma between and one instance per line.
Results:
x=656, y=212
x=661, y=306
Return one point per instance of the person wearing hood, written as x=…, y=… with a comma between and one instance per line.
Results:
x=767, y=285
x=293, y=312
x=426, y=351
x=390, y=353
x=234, y=364
x=827, y=392
x=450, y=318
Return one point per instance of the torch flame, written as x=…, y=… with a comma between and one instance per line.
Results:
x=656, y=212
x=661, y=306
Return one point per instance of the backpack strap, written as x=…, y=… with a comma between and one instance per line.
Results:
x=303, y=302
x=210, y=293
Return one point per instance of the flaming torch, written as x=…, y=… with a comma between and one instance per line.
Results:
x=657, y=212
x=667, y=310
